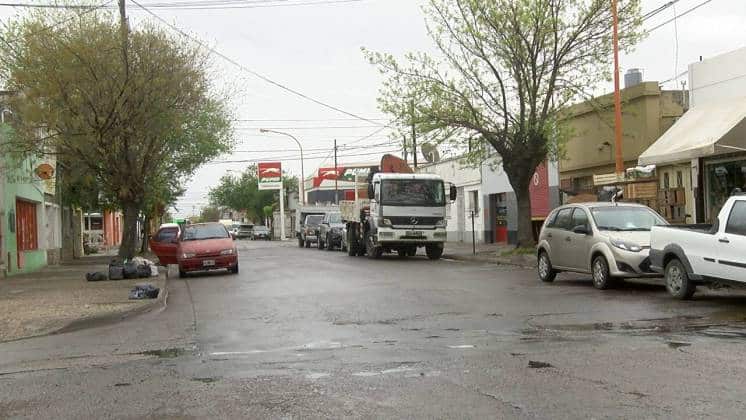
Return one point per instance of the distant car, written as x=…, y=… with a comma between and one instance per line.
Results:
x=244, y=231
x=331, y=231
x=260, y=232
x=607, y=240
x=309, y=232
x=206, y=246
x=165, y=243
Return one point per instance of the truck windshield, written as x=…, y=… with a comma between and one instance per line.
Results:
x=412, y=192
x=335, y=218
x=314, y=220
x=623, y=218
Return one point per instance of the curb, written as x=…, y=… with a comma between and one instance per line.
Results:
x=492, y=260
x=101, y=320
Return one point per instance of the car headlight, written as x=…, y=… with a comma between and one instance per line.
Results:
x=227, y=252
x=188, y=255
x=626, y=245
x=384, y=222
x=441, y=223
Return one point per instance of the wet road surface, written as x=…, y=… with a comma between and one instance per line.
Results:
x=301, y=333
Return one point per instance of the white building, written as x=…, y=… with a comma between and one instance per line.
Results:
x=468, y=182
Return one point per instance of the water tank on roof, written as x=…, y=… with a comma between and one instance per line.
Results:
x=633, y=77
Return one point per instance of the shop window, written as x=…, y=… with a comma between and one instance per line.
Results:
x=737, y=219
x=26, y=227
x=679, y=179
x=722, y=179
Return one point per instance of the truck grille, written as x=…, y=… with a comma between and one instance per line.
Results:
x=412, y=221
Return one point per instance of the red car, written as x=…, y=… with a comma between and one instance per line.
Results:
x=198, y=247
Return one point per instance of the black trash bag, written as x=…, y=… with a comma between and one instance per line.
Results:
x=143, y=271
x=116, y=269
x=96, y=276
x=130, y=270
x=144, y=291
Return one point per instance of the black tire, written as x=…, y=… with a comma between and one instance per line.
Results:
x=300, y=243
x=234, y=270
x=329, y=244
x=319, y=243
x=182, y=274
x=544, y=268
x=602, y=279
x=403, y=253
x=434, y=252
x=374, y=252
x=411, y=252
x=678, y=283
x=308, y=243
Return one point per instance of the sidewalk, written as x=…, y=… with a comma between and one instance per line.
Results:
x=489, y=253
x=59, y=298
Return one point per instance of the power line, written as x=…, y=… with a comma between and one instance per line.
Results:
x=285, y=159
x=679, y=16
x=196, y=6
x=248, y=70
x=317, y=127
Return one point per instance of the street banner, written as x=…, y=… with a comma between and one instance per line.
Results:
x=270, y=175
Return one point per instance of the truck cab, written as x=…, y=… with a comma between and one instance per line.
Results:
x=690, y=255
x=406, y=211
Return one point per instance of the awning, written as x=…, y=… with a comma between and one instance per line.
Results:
x=704, y=130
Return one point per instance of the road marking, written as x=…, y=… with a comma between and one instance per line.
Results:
x=318, y=375
x=235, y=353
x=462, y=346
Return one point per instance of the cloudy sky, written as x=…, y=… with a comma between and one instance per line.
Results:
x=314, y=49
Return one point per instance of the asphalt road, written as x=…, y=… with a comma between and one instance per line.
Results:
x=301, y=333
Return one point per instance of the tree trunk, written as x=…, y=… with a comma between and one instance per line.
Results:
x=131, y=212
x=525, y=226
x=145, y=235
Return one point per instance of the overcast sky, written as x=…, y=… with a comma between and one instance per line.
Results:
x=315, y=49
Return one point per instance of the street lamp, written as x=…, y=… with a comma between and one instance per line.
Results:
x=302, y=171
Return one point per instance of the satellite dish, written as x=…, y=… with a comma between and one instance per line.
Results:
x=430, y=152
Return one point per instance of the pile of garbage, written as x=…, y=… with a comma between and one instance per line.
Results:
x=144, y=291
x=136, y=268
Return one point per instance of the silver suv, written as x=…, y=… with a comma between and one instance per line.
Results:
x=607, y=240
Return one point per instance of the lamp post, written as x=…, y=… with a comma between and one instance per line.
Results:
x=301, y=186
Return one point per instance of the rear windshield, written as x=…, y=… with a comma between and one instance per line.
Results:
x=261, y=229
x=314, y=220
x=211, y=231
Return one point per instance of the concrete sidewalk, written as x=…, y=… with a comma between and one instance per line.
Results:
x=58, y=298
x=489, y=253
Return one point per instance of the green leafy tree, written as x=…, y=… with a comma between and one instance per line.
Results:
x=210, y=214
x=503, y=72
x=242, y=193
x=132, y=122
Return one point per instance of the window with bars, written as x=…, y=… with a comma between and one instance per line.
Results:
x=26, y=227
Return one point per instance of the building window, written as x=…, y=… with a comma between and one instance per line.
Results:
x=666, y=181
x=679, y=179
x=26, y=227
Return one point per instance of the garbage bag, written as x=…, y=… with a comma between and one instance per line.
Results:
x=130, y=270
x=116, y=270
x=143, y=270
x=96, y=276
x=144, y=291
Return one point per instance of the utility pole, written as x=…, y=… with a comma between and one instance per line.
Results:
x=336, y=175
x=414, y=136
x=617, y=94
x=124, y=29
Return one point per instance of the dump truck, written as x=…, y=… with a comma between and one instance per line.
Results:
x=404, y=211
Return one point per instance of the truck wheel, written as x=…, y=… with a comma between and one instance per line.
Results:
x=546, y=272
x=434, y=251
x=320, y=243
x=411, y=252
x=601, y=276
x=678, y=283
x=329, y=244
x=308, y=243
x=374, y=252
x=403, y=253
x=300, y=242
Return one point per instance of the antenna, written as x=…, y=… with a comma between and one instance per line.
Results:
x=430, y=152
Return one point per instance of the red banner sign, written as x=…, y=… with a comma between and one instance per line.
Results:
x=270, y=175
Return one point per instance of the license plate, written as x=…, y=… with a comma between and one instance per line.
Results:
x=208, y=263
x=414, y=233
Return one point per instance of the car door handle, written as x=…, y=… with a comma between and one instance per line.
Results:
x=724, y=240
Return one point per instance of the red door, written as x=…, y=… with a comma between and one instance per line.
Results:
x=164, y=244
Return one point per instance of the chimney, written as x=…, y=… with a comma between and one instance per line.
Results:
x=633, y=77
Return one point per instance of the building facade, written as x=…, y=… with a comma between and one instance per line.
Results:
x=706, y=147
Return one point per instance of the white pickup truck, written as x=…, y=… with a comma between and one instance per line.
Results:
x=690, y=255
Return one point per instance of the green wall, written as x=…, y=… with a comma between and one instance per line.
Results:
x=20, y=182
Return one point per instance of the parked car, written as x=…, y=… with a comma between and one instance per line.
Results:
x=309, y=232
x=165, y=243
x=331, y=231
x=260, y=232
x=244, y=231
x=690, y=255
x=608, y=240
x=206, y=246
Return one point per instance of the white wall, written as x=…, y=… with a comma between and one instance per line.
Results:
x=718, y=78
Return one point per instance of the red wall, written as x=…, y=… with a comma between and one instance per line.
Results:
x=539, y=190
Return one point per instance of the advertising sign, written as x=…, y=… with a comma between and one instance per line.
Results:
x=270, y=175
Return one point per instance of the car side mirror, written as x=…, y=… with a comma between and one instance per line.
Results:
x=370, y=191
x=581, y=230
x=453, y=193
